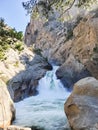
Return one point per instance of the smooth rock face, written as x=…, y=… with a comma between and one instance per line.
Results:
x=13, y=127
x=81, y=107
x=7, y=111
x=85, y=44
x=71, y=71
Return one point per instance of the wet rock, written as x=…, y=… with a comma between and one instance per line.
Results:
x=13, y=127
x=81, y=107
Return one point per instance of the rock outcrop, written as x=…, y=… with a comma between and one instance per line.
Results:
x=25, y=83
x=71, y=71
x=83, y=48
x=16, y=61
x=81, y=107
x=73, y=46
x=85, y=44
x=7, y=111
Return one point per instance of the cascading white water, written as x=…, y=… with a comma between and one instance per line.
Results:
x=45, y=110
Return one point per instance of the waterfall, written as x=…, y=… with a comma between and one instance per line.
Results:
x=45, y=110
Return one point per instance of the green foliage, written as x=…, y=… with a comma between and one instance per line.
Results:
x=19, y=46
x=3, y=47
x=14, y=34
x=37, y=51
x=85, y=3
x=60, y=5
x=7, y=82
x=16, y=64
x=9, y=38
x=9, y=32
x=2, y=55
x=2, y=22
x=96, y=49
x=19, y=35
x=69, y=34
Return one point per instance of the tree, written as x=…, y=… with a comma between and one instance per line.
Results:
x=2, y=22
x=30, y=4
x=19, y=35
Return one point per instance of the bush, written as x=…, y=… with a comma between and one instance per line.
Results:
x=69, y=35
x=2, y=55
x=37, y=51
x=96, y=49
x=19, y=46
x=14, y=34
x=19, y=35
x=9, y=38
x=16, y=64
x=9, y=32
x=2, y=24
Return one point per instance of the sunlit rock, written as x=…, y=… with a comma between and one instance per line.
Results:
x=81, y=107
x=7, y=110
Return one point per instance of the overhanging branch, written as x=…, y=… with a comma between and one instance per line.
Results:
x=68, y=8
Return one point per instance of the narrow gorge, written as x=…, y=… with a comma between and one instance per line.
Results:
x=50, y=82
x=46, y=108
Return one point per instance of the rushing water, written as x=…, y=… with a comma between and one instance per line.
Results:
x=45, y=110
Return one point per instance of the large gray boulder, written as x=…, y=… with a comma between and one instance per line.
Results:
x=7, y=111
x=81, y=107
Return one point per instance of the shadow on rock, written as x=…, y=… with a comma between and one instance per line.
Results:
x=24, y=84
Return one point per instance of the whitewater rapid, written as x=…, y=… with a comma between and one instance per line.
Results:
x=45, y=110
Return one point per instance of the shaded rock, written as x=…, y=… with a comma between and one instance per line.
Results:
x=71, y=71
x=25, y=83
x=7, y=111
x=13, y=127
x=81, y=107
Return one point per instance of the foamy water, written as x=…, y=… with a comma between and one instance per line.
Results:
x=45, y=110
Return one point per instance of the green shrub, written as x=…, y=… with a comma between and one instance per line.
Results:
x=2, y=23
x=69, y=35
x=19, y=36
x=8, y=39
x=96, y=49
x=37, y=51
x=2, y=55
x=16, y=64
x=19, y=46
x=14, y=34
x=7, y=82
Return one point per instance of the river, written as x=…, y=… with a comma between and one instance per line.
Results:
x=46, y=110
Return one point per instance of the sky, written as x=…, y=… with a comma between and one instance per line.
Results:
x=14, y=14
